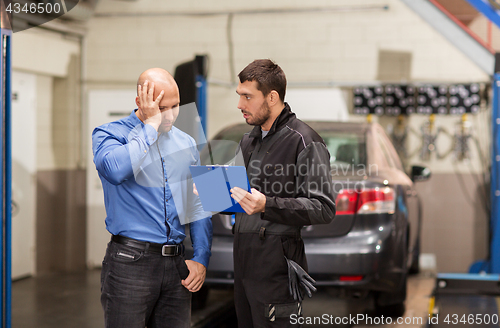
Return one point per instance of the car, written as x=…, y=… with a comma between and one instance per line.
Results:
x=372, y=244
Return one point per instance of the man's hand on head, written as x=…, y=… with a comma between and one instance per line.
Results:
x=254, y=202
x=196, y=277
x=149, y=108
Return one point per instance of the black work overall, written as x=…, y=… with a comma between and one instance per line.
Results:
x=262, y=297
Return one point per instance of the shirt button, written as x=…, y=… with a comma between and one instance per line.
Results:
x=145, y=151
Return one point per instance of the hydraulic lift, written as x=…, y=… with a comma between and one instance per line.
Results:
x=465, y=299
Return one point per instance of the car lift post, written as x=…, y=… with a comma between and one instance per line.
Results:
x=6, y=167
x=494, y=266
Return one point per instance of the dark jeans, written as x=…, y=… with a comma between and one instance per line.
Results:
x=141, y=288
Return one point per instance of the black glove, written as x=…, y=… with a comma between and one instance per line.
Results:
x=293, y=285
x=299, y=277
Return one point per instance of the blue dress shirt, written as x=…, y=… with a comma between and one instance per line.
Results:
x=148, y=189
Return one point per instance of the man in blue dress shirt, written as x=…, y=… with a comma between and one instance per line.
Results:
x=143, y=163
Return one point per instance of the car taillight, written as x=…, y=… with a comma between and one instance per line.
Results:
x=346, y=202
x=367, y=201
x=351, y=278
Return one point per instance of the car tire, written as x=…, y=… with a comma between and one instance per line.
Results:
x=199, y=299
x=384, y=306
x=393, y=310
x=415, y=266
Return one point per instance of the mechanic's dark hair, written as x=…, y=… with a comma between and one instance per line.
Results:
x=268, y=74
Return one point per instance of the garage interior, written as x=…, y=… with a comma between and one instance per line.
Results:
x=77, y=71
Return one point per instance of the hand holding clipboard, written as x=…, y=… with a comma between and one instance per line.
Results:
x=252, y=202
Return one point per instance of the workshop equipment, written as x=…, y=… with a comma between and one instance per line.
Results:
x=6, y=167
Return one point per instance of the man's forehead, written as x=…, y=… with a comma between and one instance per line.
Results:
x=170, y=98
x=247, y=87
x=169, y=90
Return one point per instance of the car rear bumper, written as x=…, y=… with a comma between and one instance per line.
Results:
x=363, y=259
x=359, y=260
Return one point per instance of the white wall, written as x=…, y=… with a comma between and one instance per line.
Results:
x=23, y=173
x=102, y=102
x=43, y=52
x=48, y=55
x=42, y=136
x=328, y=104
x=44, y=122
x=319, y=46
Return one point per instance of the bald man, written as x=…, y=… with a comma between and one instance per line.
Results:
x=143, y=162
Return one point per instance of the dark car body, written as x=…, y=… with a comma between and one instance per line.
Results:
x=374, y=240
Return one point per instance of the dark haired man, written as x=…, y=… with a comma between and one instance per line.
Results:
x=288, y=166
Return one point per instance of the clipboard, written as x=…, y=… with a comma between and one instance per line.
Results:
x=214, y=183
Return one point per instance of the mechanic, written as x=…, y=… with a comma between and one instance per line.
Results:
x=143, y=163
x=288, y=166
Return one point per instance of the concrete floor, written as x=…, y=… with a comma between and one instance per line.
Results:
x=70, y=300
x=417, y=305
x=73, y=300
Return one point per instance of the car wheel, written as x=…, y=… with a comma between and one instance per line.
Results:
x=199, y=299
x=415, y=267
x=392, y=304
x=393, y=311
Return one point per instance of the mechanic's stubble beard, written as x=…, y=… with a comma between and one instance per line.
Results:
x=261, y=117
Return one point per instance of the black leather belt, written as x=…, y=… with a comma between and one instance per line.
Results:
x=163, y=249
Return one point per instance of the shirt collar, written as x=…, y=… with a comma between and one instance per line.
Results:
x=134, y=119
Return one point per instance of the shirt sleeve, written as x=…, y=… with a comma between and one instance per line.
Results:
x=315, y=202
x=115, y=156
x=200, y=226
x=201, y=236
